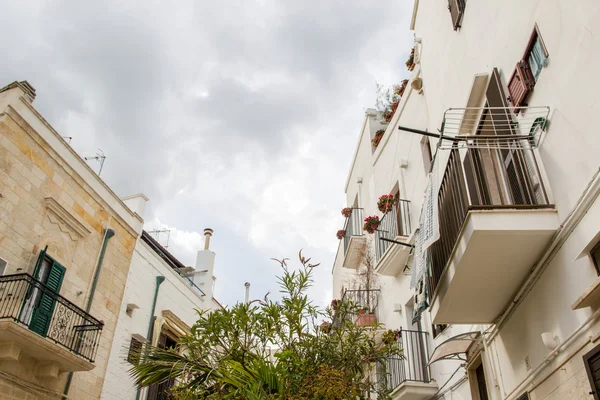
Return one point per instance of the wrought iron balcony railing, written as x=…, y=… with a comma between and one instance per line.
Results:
x=411, y=366
x=353, y=226
x=395, y=222
x=43, y=311
x=494, y=178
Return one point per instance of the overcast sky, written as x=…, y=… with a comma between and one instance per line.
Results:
x=241, y=116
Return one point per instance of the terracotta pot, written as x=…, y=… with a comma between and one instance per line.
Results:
x=366, y=320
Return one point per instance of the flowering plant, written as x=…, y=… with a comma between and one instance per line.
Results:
x=347, y=211
x=410, y=63
x=390, y=336
x=326, y=327
x=386, y=202
x=340, y=234
x=335, y=304
x=388, y=99
x=371, y=223
x=377, y=138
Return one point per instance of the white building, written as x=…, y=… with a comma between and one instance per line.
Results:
x=160, y=305
x=511, y=282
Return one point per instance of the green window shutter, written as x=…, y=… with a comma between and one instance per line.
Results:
x=42, y=315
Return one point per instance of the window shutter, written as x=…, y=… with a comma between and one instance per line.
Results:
x=42, y=315
x=520, y=84
x=457, y=9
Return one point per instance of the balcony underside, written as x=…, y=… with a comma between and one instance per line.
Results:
x=493, y=255
x=17, y=341
x=355, y=251
x=411, y=390
x=395, y=258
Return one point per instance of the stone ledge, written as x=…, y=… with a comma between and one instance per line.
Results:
x=16, y=339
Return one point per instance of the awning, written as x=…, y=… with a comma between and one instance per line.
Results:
x=453, y=348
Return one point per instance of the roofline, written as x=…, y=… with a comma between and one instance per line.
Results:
x=413, y=19
x=362, y=132
x=161, y=251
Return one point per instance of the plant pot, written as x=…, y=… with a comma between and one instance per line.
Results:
x=366, y=320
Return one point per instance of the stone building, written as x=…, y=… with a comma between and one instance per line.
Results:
x=66, y=243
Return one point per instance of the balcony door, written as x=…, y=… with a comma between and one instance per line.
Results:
x=498, y=176
x=162, y=391
x=40, y=298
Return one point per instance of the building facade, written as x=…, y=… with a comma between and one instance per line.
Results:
x=491, y=157
x=160, y=304
x=66, y=243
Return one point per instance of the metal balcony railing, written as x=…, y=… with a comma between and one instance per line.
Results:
x=411, y=366
x=395, y=222
x=367, y=305
x=353, y=226
x=30, y=303
x=494, y=178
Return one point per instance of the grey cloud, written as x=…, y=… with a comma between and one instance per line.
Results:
x=279, y=75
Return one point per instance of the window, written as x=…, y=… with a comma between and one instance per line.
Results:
x=3, y=265
x=426, y=153
x=592, y=366
x=527, y=70
x=437, y=329
x=525, y=396
x=135, y=347
x=457, y=9
x=595, y=254
x=477, y=381
x=481, y=384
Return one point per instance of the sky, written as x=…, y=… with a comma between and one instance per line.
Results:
x=241, y=116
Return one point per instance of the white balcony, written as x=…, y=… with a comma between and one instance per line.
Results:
x=495, y=222
x=354, y=240
x=395, y=226
x=493, y=255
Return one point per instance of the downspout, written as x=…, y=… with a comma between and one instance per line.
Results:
x=159, y=279
x=108, y=234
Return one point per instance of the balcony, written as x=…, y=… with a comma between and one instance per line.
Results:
x=354, y=239
x=43, y=326
x=495, y=221
x=395, y=225
x=408, y=376
x=364, y=305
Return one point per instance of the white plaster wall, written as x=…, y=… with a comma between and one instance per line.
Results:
x=495, y=34
x=174, y=295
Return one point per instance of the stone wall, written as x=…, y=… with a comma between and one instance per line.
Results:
x=45, y=202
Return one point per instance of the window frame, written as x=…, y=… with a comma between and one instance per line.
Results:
x=438, y=329
x=135, y=346
x=535, y=35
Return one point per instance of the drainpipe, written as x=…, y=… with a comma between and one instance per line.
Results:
x=108, y=233
x=159, y=279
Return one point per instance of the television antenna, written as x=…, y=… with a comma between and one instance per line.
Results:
x=100, y=157
x=156, y=233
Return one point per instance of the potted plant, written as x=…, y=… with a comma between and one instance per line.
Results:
x=377, y=138
x=340, y=234
x=410, y=63
x=399, y=89
x=366, y=317
x=386, y=202
x=346, y=212
x=371, y=223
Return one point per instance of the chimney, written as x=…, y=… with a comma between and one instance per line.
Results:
x=207, y=234
x=247, y=285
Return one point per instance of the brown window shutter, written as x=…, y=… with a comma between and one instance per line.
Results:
x=457, y=9
x=520, y=84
